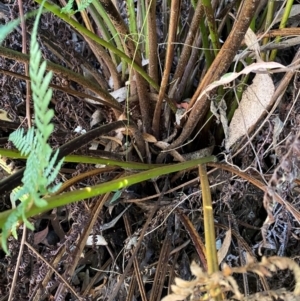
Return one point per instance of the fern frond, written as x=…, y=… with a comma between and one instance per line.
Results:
x=9, y=227
x=10, y=26
x=82, y=5
x=40, y=169
x=7, y=29
x=11, y=223
x=24, y=143
x=54, y=188
x=51, y=172
x=68, y=9
x=20, y=194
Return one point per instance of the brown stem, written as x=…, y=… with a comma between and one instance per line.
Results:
x=221, y=63
x=15, y=55
x=152, y=36
x=187, y=48
x=175, y=11
x=67, y=90
x=133, y=53
x=14, y=180
x=24, y=50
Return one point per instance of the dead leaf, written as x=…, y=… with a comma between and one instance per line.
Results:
x=40, y=236
x=278, y=127
x=254, y=102
x=219, y=109
x=96, y=118
x=115, y=139
x=252, y=43
x=225, y=246
x=120, y=94
x=179, y=114
x=149, y=138
x=4, y=116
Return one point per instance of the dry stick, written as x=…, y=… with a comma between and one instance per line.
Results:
x=283, y=32
x=102, y=55
x=242, y=257
x=53, y=269
x=24, y=50
x=218, y=67
x=138, y=276
x=133, y=52
x=36, y=295
x=55, y=48
x=131, y=289
x=82, y=176
x=134, y=254
x=187, y=48
x=194, y=236
x=95, y=211
x=162, y=265
x=175, y=11
x=16, y=273
x=28, y=117
x=15, y=55
x=226, y=10
x=289, y=207
x=152, y=36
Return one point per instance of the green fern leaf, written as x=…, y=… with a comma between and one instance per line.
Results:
x=40, y=169
x=83, y=4
x=24, y=143
x=51, y=171
x=10, y=226
x=10, y=26
x=68, y=9
x=7, y=29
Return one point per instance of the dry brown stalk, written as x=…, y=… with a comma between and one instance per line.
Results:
x=221, y=63
x=134, y=53
x=175, y=12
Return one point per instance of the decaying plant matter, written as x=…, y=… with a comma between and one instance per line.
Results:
x=204, y=286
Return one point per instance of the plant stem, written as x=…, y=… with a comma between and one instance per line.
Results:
x=88, y=192
x=283, y=22
x=269, y=19
x=14, y=154
x=151, y=41
x=82, y=30
x=209, y=227
x=211, y=25
x=15, y=55
x=219, y=66
x=175, y=10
